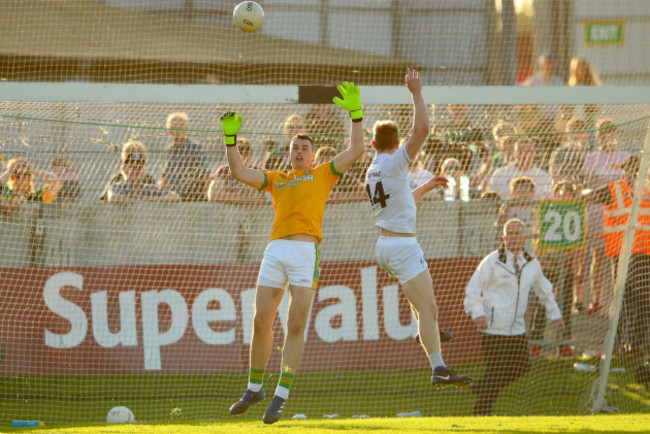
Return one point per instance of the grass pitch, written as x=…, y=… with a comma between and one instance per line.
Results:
x=631, y=423
x=191, y=403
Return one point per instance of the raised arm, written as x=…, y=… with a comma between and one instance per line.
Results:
x=352, y=103
x=436, y=181
x=420, y=114
x=231, y=122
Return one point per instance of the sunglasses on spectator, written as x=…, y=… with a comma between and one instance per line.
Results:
x=134, y=163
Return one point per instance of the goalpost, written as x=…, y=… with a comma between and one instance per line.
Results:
x=600, y=388
x=150, y=305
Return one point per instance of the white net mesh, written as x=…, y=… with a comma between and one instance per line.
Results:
x=149, y=305
x=320, y=42
x=82, y=280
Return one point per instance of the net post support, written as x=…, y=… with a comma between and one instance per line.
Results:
x=600, y=386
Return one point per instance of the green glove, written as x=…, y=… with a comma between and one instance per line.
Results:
x=230, y=122
x=351, y=100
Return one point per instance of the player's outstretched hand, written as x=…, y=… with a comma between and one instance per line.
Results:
x=412, y=79
x=437, y=181
x=351, y=99
x=230, y=122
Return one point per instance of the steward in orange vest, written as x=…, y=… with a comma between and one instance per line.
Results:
x=617, y=214
x=633, y=333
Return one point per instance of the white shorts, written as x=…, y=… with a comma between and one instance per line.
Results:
x=296, y=262
x=401, y=257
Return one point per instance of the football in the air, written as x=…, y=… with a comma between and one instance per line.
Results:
x=120, y=415
x=248, y=16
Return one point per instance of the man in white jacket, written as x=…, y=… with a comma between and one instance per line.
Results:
x=497, y=297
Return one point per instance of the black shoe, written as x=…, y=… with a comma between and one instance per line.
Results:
x=443, y=376
x=248, y=398
x=274, y=412
x=444, y=336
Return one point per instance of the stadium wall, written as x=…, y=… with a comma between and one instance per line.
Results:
x=103, y=234
x=103, y=289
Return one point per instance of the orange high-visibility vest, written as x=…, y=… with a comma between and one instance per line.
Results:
x=616, y=217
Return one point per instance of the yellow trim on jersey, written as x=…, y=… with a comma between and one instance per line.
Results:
x=314, y=283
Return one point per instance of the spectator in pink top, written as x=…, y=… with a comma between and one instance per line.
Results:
x=600, y=167
x=604, y=165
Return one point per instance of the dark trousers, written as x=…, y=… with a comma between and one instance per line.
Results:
x=506, y=359
x=562, y=279
x=634, y=324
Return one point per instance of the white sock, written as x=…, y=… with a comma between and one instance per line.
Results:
x=254, y=387
x=436, y=360
x=282, y=392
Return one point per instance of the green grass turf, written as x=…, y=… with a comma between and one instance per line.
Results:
x=629, y=423
x=552, y=387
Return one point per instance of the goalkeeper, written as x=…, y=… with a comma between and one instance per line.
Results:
x=292, y=254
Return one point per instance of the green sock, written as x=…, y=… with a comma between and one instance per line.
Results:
x=284, y=385
x=255, y=379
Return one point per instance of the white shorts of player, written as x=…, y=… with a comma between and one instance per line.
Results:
x=296, y=262
x=402, y=257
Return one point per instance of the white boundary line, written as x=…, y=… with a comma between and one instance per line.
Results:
x=260, y=94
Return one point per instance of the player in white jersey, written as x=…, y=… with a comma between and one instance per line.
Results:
x=394, y=205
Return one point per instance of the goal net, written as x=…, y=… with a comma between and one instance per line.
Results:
x=150, y=305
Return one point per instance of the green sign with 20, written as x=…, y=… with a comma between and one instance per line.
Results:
x=562, y=224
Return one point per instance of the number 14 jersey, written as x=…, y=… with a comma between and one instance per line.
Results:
x=388, y=188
